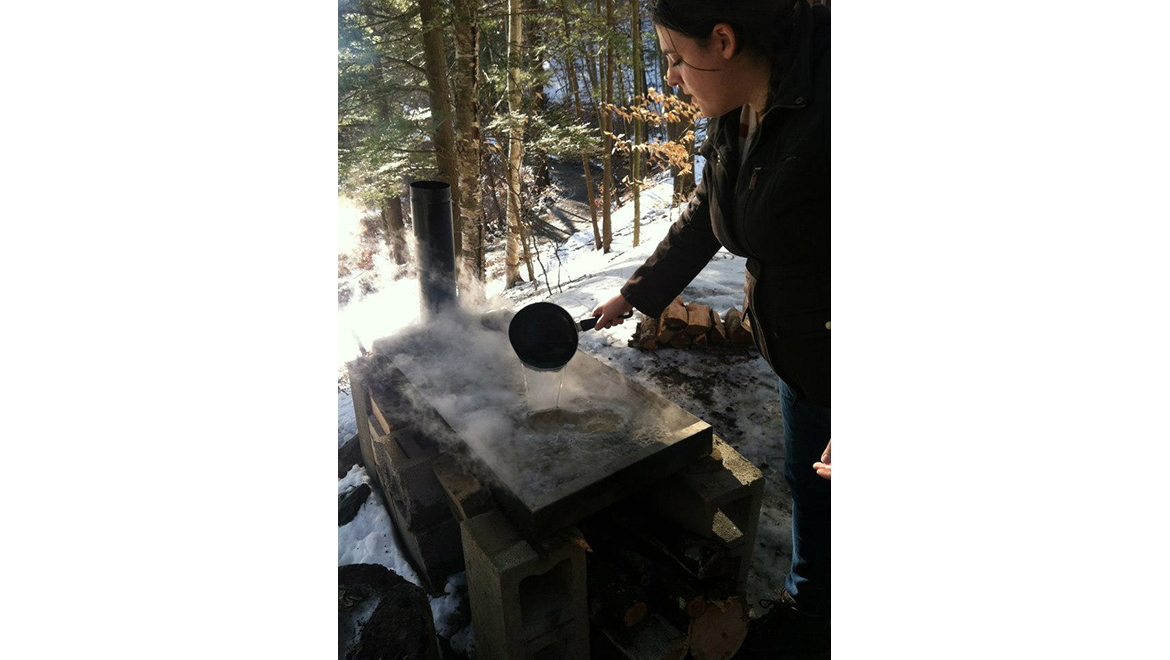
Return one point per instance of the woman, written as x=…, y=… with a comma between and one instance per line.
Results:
x=760, y=71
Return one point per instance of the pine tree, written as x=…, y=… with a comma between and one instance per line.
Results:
x=465, y=76
x=516, y=240
x=635, y=154
x=435, y=63
x=607, y=114
x=571, y=73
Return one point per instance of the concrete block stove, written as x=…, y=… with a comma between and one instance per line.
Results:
x=477, y=481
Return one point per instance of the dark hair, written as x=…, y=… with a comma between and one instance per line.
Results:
x=762, y=27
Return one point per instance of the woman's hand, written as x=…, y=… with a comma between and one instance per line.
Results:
x=610, y=313
x=824, y=467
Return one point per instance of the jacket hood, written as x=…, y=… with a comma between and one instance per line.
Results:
x=792, y=72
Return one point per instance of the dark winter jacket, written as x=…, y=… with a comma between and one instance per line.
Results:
x=774, y=210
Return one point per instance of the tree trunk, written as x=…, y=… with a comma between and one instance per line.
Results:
x=515, y=149
x=501, y=215
x=571, y=71
x=607, y=119
x=435, y=65
x=622, y=99
x=533, y=41
x=660, y=79
x=688, y=180
x=391, y=206
x=596, y=75
x=672, y=132
x=467, y=132
x=635, y=155
x=395, y=229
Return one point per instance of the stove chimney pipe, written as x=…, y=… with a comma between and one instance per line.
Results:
x=430, y=206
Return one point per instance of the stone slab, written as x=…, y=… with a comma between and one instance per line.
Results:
x=675, y=439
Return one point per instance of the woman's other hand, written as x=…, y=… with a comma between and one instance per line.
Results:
x=824, y=467
x=610, y=313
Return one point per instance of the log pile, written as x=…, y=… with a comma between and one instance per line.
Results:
x=650, y=581
x=692, y=325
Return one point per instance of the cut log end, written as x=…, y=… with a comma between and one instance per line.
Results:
x=696, y=607
x=698, y=319
x=646, y=334
x=718, y=634
x=736, y=332
x=675, y=316
x=634, y=614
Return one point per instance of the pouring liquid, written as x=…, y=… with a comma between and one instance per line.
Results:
x=542, y=389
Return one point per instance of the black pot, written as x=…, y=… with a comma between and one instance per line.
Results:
x=544, y=335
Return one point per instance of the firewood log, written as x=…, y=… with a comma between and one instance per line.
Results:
x=705, y=559
x=615, y=597
x=680, y=340
x=700, y=341
x=668, y=590
x=718, y=334
x=665, y=334
x=719, y=633
x=698, y=319
x=735, y=330
x=731, y=322
x=675, y=315
x=645, y=334
x=654, y=638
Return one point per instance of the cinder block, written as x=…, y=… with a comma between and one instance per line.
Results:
x=388, y=405
x=435, y=551
x=526, y=602
x=717, y=501
x=411, y=482
x=359, y=369
x=466, y=495
x=395, y=403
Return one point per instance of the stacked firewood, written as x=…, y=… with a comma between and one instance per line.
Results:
x=657, y=591
x=684, y=325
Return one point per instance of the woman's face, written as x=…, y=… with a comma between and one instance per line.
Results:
x=708, y=72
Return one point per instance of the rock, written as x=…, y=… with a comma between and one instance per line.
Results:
x=350, y=502
x=381, y=616
x=349, y=455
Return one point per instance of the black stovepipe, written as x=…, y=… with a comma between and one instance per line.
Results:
x=434, y=233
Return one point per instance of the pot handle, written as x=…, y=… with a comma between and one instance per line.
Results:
x=588, y=323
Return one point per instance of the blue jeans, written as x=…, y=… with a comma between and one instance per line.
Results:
x=806, y=432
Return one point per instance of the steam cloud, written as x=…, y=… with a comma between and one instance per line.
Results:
x=471, y=376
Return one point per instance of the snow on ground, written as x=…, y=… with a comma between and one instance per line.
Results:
x=346, y=418
x=450, y=624
x=736, y=393
x=369, y=537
